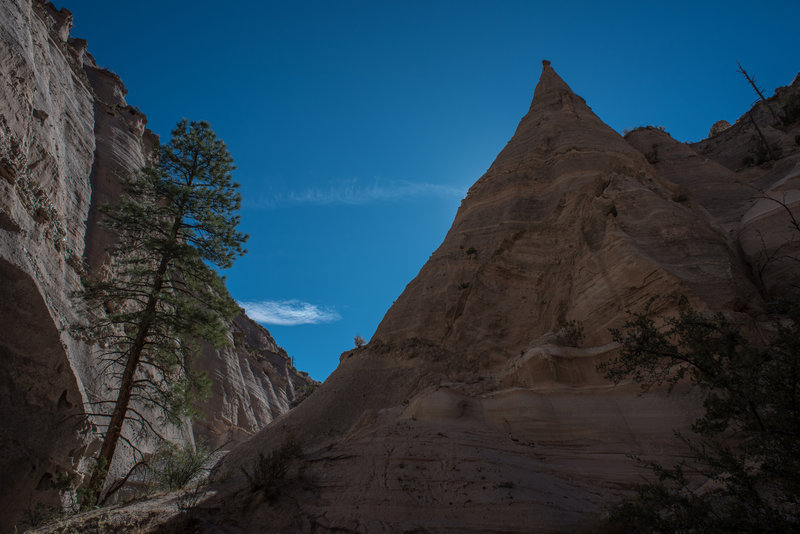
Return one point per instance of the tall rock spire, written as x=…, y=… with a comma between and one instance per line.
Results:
x=559, y=120
x=549, y=84
x=569, y=223
x=463, y=413
x=466, y=372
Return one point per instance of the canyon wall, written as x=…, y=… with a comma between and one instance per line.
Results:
x=67, y=135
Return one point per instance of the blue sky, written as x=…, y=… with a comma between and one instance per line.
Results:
x=358, y=126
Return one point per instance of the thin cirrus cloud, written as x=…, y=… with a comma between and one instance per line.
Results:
x=288, y=312
x=351, y=192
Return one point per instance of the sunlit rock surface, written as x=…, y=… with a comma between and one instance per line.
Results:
x=66, y=137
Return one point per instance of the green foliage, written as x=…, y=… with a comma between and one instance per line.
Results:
x=177, y=217
x=570, y=333
x=175, y=467
x=88, y=494
x=63, y=481
x=175, y=221
x=302, y=393
x=747, y=452
x=270, y=470
x=471, y=251
x=308, y=389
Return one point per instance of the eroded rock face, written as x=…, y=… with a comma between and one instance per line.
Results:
x=253, y=382
x=46, y=146
x=40, y=404
x=750, y=192
x=468, y=411
x=569, y=223
x=66, y=136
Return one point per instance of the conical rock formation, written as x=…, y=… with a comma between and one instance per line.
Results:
x=569, y=223
x=468, y=411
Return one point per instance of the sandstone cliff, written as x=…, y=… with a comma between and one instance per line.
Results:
x=66, y=136
x=747, y=188
x=469, y=411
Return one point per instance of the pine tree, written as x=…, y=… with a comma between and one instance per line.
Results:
x=742, y=470
x=175, y=219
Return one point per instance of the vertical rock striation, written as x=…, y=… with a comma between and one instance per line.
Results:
x=46, y=147
x=252, y=383
x=66, y=137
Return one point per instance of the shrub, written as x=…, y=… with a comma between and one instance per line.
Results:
x=175, y=467
x=748, y=444
x=38, y=514
x=359, y=341
x=570, y=333
x=269, y=471
x=308, y=389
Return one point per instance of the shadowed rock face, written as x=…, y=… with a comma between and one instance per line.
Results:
x=750, y=197
x=40, y=403
x=466, y=412
x=66, y=137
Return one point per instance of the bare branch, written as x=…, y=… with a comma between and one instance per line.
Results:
x=758, y=91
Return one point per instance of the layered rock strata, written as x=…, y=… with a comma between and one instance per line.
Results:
x=469, y=411
x=747, y=179
x=66, y=137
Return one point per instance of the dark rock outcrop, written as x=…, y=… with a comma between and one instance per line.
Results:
x=747, y=179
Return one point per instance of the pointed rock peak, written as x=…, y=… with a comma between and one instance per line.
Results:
x=549, y=84
x=558, y=123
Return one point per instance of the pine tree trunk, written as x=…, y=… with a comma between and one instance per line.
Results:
x=114, y=430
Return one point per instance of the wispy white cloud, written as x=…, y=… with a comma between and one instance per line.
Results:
x=288, y=312
x=352, y=192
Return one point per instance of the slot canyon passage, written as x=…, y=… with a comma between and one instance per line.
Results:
x=467, y=411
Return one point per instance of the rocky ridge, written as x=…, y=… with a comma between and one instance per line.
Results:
x=66, y=136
